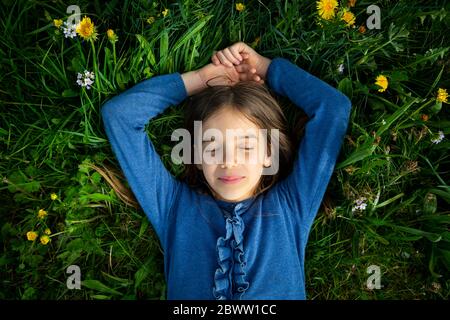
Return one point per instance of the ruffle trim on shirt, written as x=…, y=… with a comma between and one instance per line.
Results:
x=230, y=253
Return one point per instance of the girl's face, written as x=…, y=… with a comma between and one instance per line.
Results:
x=239, y=160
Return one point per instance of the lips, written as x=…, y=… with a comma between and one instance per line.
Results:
x=231, y=179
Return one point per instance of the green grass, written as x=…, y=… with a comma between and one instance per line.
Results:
x=51, y=130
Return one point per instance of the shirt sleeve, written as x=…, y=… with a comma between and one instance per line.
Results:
x=124, y=117
x=328, y=111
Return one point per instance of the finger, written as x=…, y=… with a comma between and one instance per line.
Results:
x=245, y=67
x=223, y=59
x=230, y=56
x=233, y=53
x=215, y=60
x=247, y=76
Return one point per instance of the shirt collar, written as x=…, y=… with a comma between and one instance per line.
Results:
x=238, y=206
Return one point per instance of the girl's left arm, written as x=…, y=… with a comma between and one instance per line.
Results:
x=328, y=111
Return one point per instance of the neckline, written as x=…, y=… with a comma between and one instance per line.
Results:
x=230, y=206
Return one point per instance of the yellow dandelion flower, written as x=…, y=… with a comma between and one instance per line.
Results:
x=42, y=214
x=31, y=235
x=165, y=12
x=382, y=82
x=150, y=20
x=47, y=231
x=240, y=6
x=86, y=29
x=442, y=95
x=326, y=8
x=45, y=239
x=53, y=196
x=57, y=22
x=348, y=17
x=111, y=35
x=351, y=3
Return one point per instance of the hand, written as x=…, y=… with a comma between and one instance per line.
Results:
x=245, y=59
x=220, y=74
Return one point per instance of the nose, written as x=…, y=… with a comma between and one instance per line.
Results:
x=229, y=157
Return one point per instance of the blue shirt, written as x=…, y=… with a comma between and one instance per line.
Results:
x=214, y=249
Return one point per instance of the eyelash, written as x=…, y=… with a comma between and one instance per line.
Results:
x=242, y=148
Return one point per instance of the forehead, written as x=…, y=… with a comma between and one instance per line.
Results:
x=228, y=118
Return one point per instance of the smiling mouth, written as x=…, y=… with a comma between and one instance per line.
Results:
x=229, y=180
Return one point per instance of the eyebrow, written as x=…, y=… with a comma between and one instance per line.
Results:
x=249, y=136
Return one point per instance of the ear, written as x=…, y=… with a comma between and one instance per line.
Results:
x=267, y=161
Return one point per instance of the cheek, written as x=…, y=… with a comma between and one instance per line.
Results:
x=254, y=171
x=208, y=171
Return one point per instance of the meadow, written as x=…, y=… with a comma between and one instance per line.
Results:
x=386, y=211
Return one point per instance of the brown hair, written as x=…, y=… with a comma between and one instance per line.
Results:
x=253, y=100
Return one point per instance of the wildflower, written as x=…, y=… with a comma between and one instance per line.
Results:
x=436, y=287
x=383, y=122
x=86, y=29
x=348, y=17
x=424, y=117
x=42, y=214
x=57, y=22
x=351, y=3
x=45, y=239
x=362, y=29
x=341, y=68
x=53, y=196
x=442, y=95
x=439, y=138
x=360, y=204
x=240, y=6
x=112, y=36
x=69, y=30
x=165, y=12
x=326, y=8
x=382, y=82
x=31, y=235
x=150, y=20
x=85, y=79
x=47, y=231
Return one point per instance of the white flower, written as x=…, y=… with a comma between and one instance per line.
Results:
x=341, y=68
x=85, y=79
x=360, y=204
x=69, y=30
x=438, y=139
x=383, y=122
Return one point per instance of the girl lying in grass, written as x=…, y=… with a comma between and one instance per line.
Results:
x=228, y=229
